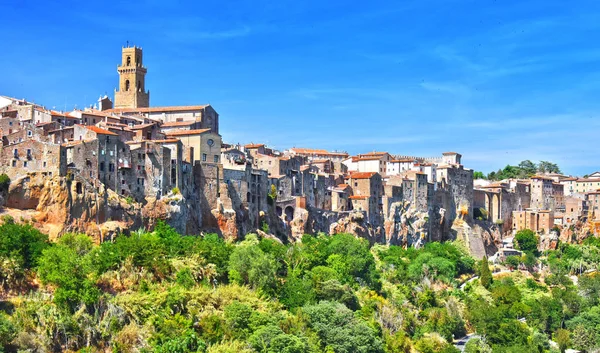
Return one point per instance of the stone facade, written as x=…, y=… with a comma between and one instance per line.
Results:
x=132, y=80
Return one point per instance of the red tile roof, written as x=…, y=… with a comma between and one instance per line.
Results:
x=186, y=132
x=316, y=152
x=100, y=131
x=362, y=175
x=254, y=145
x=358, y=197
x=181, y=108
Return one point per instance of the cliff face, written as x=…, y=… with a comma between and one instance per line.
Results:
x=70, y=204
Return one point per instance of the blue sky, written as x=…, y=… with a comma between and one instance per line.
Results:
x=498, y=81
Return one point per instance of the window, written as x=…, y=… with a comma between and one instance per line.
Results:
x=129, y=61
x=216, y=159
x=29, y=133
x=101, y=166
x=44, y=164
x=203, y=157
x=25, y=164
x=126, y=85
x=123, y=182
x=14, y=163
x=111, y=167
x=10, y=123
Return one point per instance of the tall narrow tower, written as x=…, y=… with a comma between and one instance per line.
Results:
x=132, y=74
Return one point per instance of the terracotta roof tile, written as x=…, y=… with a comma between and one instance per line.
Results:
x=181, y=108
x=100, y=131
x=358, y=197
x=316, y=152
x=362, y=175
x=186, y=132
x=254, y=145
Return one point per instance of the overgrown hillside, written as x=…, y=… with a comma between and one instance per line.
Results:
x=162, y=292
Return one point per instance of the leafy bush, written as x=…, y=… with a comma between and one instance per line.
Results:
x=4, y=183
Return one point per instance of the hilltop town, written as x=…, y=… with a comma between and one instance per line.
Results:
x=123, y=165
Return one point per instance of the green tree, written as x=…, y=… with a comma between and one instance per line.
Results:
x=4, y=183
x=64, y=268
x=478, y=175
x=339, y=330
x=527, y=169
x=477, y=345
x=21, y=242
x=548, y=167
x=485, y=275
x=249, y=265
x=527, y=241
x=563, y=338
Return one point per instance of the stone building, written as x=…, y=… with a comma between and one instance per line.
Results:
x=205, y=144
x=455, y=191
x=569, y=185
x=575, y=208
x=340, y=198
x=132, y=80
x=367, y=189
x=540, y=221
x=542, y=193
x=375, y=162
x=150, y=131
x=204, y=116
x=8, y=125
x=317, y=154
x=584, y=185
x=31, y=155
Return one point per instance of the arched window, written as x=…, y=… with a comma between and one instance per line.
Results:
x=129, y=61
x=139, y=86
x=127, y=85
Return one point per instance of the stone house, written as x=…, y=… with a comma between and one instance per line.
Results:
x=64, y=119
x=575, y=208
x=451, y=158
x=155, y=168
x=340, y=198
x=584, y=185
x=367, y=189
x=317, y=154
x=542, y=193
x=31, y=155
x=62, y=134
x=455, y=186
x=8, y=125
x=569, y=185
x=205, y=115
x=233, y=158
x=113, y=157
x=540, y=221
x=593, y=201
x=150, y=131
x=27, y=132
x=324, y=165
x=205, y=143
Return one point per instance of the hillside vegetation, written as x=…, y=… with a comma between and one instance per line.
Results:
x=162, y=292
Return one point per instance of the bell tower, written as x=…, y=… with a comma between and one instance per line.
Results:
x=132, y=80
